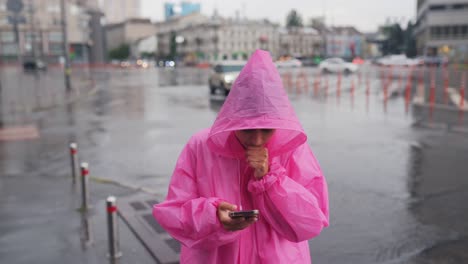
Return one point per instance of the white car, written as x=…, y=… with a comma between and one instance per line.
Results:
x=291, y=63
x=337, y=65
x=398, y=60
x=223, y=76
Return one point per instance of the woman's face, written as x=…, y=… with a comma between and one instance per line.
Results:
x=254, y=137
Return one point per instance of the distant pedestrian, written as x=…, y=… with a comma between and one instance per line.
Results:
x=255, y=156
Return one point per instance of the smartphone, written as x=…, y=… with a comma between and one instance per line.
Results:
x=246, y=214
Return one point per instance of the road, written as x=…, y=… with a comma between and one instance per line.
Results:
x=397, y=173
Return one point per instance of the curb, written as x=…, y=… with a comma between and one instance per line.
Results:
x=125, y=185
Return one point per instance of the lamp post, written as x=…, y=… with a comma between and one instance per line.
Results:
x=65, y=45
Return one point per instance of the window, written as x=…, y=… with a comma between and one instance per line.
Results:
x=55, y=49
x=445, y=31
x=455, y=31
x=55, y=36
x=464, y=30
x=7, y=36
x=30, y=36
x=9, y=49
x=437, y=7
x=53, y=8
x=460, y=6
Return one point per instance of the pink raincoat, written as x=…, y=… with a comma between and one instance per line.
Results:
x=292, y=198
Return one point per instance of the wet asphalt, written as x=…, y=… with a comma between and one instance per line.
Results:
x=397, y=175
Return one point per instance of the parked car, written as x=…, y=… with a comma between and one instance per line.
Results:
x=433, y=60
x=337, y=65
x=33, y=65
x=397, y=60
x=290, y=63
x=358, y=61
x=223, y=76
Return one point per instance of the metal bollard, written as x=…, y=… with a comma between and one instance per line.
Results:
x=112, y=228
x=84, y=186
x=74, y=160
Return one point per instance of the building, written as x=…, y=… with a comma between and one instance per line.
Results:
x=167, y=30
x=40, y=31
x=300, y=42
x=144, y=46
x=344, y=42
x=184, y=8
x=374, y=43
x=442, y=28
x=128, y=32
x=213, y=39
x=117, y=11
x=98, y=51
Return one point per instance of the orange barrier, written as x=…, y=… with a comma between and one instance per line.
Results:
x=326, y=86
x=421, y=84
x=338, y=87
x=446, y=84
x=287, y=81
x=359, y=79
x=461, y=112
x=302, y=83
x=317, y=83
x=409, y=83
x=367, y=92
x=432, y=87
x=352, y=92
x=432, y=93
x=462, y=90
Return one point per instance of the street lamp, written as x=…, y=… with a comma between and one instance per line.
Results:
x=65, y=45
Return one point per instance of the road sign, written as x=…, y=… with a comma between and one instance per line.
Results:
x=15, y=6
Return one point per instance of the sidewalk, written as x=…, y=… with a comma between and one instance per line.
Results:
x=39, y=217
x=40, y=221
x=22, y=93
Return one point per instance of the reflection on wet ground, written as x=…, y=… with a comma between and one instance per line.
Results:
x=397, y=187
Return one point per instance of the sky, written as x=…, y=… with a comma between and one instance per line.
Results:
x=365, y=15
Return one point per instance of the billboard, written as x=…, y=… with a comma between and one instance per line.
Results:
x=180, y=9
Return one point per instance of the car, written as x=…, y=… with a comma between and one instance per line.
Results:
x=398, y=60
x=223, y=76
x=433, y=60
x=358, y=61
x=337, y=65
x=290, y=63
x=33, y=65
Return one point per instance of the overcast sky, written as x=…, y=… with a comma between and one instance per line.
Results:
x=366, y=15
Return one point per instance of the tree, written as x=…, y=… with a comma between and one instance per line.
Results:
x=293, y=19
x=395, y=40
x=120, y=53
x=398, y=40
x=410, y=41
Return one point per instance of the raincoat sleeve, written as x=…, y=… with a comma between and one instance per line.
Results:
x=186, y=216
x=293, y=198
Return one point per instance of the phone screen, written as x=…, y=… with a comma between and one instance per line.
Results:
x=250, y=213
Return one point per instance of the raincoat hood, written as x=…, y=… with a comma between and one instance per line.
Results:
x=257, y=100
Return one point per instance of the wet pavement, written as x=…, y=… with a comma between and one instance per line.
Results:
x=396, y=172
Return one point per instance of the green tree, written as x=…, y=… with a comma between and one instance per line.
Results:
x=293, y=19
x=120, y=53
x=410, y=41
x=395, y=40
